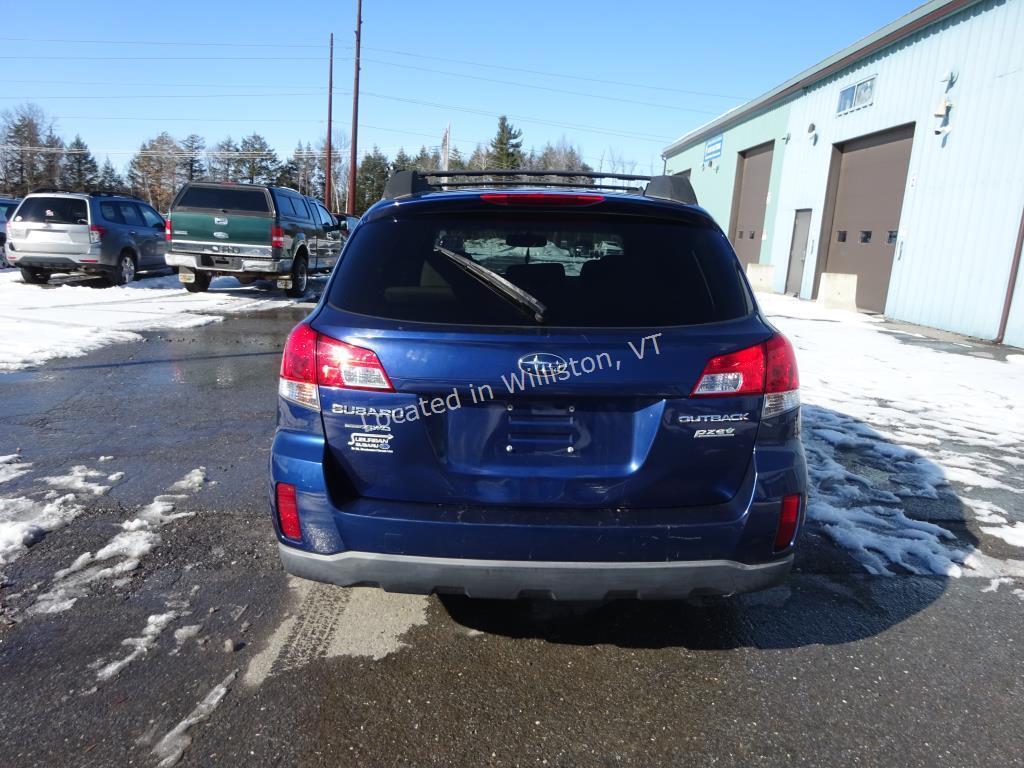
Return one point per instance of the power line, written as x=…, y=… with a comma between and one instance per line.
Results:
x=545, y=88
x=557, y=74
x=166, y=58
x=182, y=43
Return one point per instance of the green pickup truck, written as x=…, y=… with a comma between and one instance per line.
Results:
x=251, y=233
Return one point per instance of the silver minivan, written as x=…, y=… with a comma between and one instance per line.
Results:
x=108, y=235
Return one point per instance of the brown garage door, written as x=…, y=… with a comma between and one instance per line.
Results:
x=750, y=198
x=868, y=197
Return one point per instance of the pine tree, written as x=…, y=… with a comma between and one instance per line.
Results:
x=402, y=161
x=110, y=181
x=192, y=166
x=370, y=180
x=506, y=149
x=424, y=161
x=224, y=162
x=259, y=164
x=80, y=172
x=456, y=162
x=53, y=159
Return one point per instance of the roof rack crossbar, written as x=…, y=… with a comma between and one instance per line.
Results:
x=537, y=173
x=405, y=183
x=499, y=183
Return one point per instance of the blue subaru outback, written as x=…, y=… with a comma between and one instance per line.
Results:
x=541, y=392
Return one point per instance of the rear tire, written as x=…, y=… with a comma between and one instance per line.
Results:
x=300, y=277
x=202, y=281
x=124, y=272
x=34, y=276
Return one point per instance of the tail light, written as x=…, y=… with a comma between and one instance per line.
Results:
x=768, y=368
x=312, y=360
x=96, y=233
x=540, y=198
x=288, y=511
x=276, y=237
x=789, y=516
x=167, y=229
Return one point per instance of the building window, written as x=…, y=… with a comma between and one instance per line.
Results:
x=856, y=96
x=891, y=237
x=865, y=235
x=841, y=236
x=751, y=234
x=739, y=235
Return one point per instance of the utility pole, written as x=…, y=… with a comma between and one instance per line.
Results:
x=350, y=207
x=330, y=110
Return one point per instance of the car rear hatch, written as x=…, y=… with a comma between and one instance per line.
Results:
x=482, y=404
x=222, y=221
x=51, y=225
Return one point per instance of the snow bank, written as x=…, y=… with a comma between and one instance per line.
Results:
x=922, y=422
x=40, y=323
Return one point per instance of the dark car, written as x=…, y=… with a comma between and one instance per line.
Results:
x=250, y=232
x=474, y=408
x=94, y=234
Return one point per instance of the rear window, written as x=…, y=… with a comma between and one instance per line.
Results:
x=7, y=210
x=587, y=271
x=225, y=199
x=54, y=210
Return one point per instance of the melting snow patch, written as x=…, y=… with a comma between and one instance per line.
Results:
x=193, y=481
x=137, y=539
x=102, y=459
x=173, y=745
x=25, y=521
x=78, y=479
x=12, y=467
x=915, y=423
x=1011, y=534
x=140, y=645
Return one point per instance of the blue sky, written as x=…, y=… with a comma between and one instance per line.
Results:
x=621, y=79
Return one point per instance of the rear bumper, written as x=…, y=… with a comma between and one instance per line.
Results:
x=509, y=579
x=218, y=263
x=91, y=260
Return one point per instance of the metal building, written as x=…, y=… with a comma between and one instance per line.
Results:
x=899, y=160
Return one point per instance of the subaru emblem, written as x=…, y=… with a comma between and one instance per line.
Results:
x=542, y=364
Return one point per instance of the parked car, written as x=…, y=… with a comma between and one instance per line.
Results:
x=250, y=232
x=93, y=234
x=7, y=206
x=470, y=409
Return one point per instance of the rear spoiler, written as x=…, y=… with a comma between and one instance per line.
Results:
x=405, y=183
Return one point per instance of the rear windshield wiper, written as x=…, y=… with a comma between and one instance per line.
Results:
x=530, y=305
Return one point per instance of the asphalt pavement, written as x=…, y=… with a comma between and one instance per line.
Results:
x=837, y=667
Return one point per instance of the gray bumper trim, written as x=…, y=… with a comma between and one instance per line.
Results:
x=509, y=579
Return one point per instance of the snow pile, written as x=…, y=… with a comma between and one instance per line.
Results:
x=140, y=645
x=41, y=323
x=121, y=555
x=79, y=479
x=173, y=745
x=886, y=421
x=12, y=467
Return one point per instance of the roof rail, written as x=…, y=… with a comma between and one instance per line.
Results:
x=406, y=183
